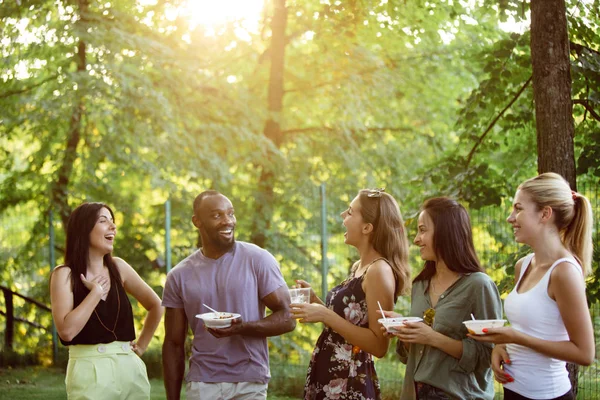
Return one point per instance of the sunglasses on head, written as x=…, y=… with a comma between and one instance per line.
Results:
x=375, y=192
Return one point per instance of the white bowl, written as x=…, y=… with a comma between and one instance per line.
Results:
x=218, y=320
x=391, y=323
x=475, y=326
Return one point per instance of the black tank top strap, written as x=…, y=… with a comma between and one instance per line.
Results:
x=373, y=262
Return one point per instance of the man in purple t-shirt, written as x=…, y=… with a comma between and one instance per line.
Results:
x=229, y=276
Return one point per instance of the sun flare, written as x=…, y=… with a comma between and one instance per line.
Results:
x=211, y=13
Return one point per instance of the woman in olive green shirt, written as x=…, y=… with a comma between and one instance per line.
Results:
x=442, y=362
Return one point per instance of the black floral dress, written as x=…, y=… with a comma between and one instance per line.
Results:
x=338, y=370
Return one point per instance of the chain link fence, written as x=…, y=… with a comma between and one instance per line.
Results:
x=299, y=247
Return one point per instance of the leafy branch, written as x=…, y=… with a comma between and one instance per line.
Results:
x=390, y=63
x=27, y=89
x=327, y=128
x=586, y=103
x=579, y=48
x=495, y=120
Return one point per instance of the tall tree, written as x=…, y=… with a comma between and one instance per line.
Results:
x=59, y=191
x=272, y=129
x=552, y=88
x=555, y=128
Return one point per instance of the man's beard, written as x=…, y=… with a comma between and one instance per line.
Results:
x=221, y=243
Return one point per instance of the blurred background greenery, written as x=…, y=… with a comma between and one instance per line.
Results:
x=288, y=108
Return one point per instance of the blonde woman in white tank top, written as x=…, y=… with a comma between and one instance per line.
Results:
x=547, y=309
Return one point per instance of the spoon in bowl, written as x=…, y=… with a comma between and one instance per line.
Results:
x=217, y=312
x=472, y=317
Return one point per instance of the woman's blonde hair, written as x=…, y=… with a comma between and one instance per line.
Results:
x=572, y=211
x=389, y=235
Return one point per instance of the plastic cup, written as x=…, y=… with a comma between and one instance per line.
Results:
x=300, y=295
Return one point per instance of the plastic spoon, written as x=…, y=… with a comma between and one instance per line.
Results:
x=381, y=309
x=217, y=312
x=472, y=317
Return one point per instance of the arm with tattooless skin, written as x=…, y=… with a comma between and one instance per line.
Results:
x=530, y=355
x=92, y=312
x=379, y=287
x=232, y=277
x=439, y=357
x=173, y=351
x=277, y=323
x=343, y=355
x=143, y=293
x=69, y=320
x=569, y=293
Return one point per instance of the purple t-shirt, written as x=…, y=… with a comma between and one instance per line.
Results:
x=236, y=283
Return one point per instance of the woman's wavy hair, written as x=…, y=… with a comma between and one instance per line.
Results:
x=452, y=237
x=572, y=213
x=77, y=254
x=389, y=234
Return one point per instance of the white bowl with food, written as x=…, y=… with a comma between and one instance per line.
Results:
x=476, y=326
x=218, y=320
x=390, y=324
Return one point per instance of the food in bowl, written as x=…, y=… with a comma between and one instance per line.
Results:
x=218, y=320
x=476, y=326
x=390, y=324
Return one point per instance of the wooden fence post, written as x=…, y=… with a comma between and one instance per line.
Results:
x=10, y=319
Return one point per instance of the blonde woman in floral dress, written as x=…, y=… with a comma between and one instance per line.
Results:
x=342, y=363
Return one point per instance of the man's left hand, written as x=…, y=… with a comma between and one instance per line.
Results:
x=236, y=328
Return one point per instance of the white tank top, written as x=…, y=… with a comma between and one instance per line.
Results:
x=533, y=312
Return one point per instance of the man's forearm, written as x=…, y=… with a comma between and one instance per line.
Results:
x=278, y=323
x=173, y=360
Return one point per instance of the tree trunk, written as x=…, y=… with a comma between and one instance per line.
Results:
x=60, y=189
x=272, y=130
x=574, y=378
x=9, y=333
x=552, y=88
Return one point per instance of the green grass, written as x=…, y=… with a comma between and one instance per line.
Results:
x=39, y=383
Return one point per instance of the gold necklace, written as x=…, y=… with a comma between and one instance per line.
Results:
x=116, y=319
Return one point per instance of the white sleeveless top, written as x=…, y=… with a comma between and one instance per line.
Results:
x=533, y=312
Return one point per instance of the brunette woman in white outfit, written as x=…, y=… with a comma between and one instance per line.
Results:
x=547, y=309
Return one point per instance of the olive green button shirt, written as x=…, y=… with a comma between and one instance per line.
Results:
x=469, y=377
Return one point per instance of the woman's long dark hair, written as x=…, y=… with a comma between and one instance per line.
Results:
x=452, y=237
x=77, y=254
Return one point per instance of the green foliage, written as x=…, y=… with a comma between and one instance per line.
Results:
x=424, y=98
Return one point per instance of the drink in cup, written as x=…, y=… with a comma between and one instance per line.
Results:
x=300, y=295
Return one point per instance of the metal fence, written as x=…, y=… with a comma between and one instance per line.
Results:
x=321, y=234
